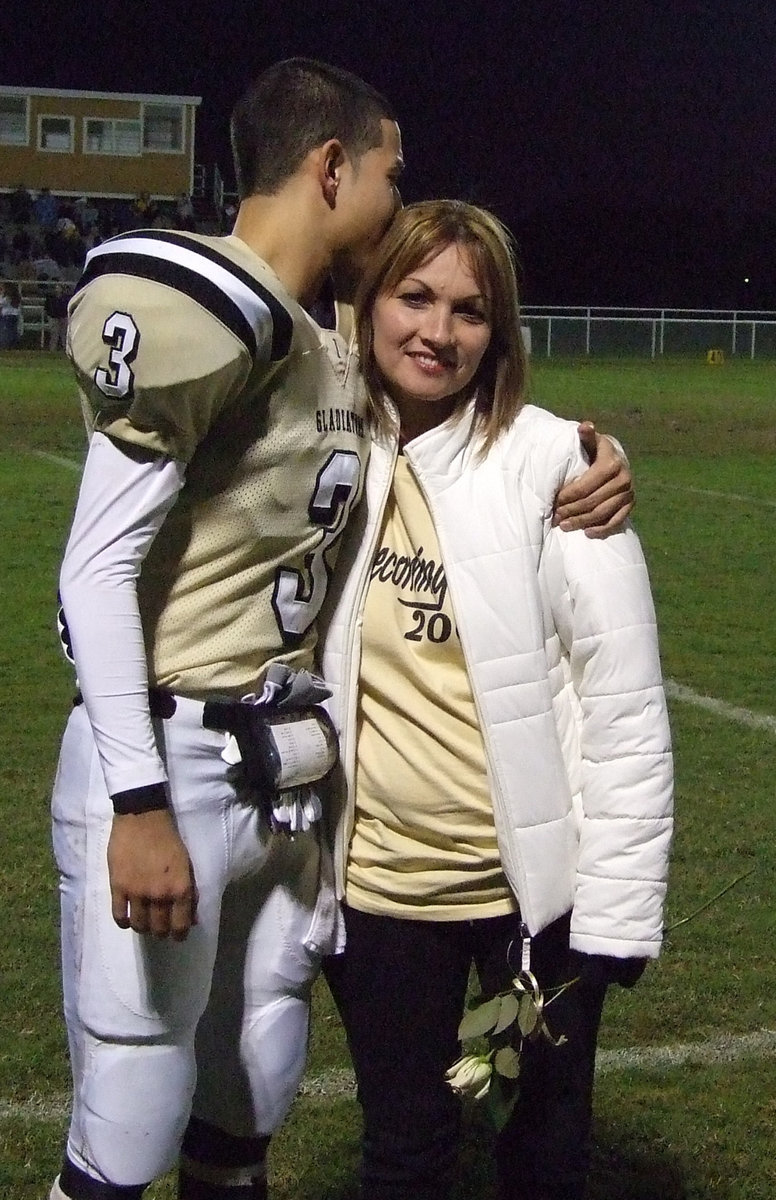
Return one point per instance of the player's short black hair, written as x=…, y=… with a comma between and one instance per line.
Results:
x=294, y=106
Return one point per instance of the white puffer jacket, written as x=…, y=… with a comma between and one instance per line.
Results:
x=558, y=633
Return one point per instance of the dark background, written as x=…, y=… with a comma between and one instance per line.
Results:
x=630, y=146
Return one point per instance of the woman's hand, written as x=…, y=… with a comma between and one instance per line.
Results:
x=601, y=970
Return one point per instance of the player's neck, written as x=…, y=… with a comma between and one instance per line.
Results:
x=289, y=240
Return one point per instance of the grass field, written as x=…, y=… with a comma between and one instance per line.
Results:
x=702, y=440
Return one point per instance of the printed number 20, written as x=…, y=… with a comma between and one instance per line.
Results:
x=299, y=595
x=438, y=627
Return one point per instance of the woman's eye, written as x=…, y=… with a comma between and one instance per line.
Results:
x=414, y=299
x=473, y=314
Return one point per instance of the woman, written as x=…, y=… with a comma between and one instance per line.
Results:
x=505, y=746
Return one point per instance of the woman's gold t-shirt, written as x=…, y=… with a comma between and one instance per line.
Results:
x=424, y=842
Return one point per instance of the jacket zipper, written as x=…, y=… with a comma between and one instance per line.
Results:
x=350, y=672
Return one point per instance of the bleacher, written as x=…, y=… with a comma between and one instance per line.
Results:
x=33, y=325
x=34, y=277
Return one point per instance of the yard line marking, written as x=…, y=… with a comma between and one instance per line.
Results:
x=731, y=712
x=682, y=487
x=340, y=1082
x=70, y=463
x=761, y=1044
x=676, y=487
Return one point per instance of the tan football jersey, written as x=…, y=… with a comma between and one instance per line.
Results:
x=190, y=346
x=424, y=841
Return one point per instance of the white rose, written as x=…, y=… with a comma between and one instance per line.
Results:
x=470, y=1075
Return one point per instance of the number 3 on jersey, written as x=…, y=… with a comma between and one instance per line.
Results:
x=299, y=595
x=123, y=336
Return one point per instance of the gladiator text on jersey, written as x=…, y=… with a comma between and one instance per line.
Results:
x=339, y=420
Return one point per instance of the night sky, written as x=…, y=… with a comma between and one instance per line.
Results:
x=630, y=146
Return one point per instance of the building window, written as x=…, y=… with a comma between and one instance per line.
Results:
x=55, y=133
x=105, y=136
x=13, y=121
x=163, y=128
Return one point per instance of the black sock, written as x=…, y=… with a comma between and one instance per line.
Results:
x=77, y=1185
x=197, y=1189
x=216, y=1165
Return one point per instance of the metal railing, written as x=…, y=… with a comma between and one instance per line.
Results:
x=33, y=322
x=652, y=332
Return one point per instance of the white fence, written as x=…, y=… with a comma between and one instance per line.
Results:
x=652, y=332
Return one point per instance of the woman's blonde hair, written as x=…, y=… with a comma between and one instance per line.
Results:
x=418, y=233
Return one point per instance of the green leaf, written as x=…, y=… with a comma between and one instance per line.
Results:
x=500, y=1101
x=510, y=1006
x=507, y=1062
x=480, y=1020
x=528, y=1017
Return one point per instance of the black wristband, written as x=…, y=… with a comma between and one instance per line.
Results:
x=150, y=798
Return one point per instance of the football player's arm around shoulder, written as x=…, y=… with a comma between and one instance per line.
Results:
x=601, y=498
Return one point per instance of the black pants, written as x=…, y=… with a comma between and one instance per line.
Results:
x=400, y=988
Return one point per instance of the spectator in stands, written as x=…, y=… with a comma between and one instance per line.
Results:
x=92, y=237
x=55, y=308
x=85, y=214
x=78, y=212
x=21, y=245
x=184, y=213
x=10, y=316
x=20, y=205
x=46, y=209
x=109, y=220
x=66, y=226
x=47, y=267
x=66, y=244
x=143, y=211
x=91, y=217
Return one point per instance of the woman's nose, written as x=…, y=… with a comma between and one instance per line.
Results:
x=438, y=326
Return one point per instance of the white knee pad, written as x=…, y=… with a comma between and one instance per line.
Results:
x=127, y=1129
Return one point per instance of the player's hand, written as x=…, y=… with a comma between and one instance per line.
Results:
x=600, y=500
x=151, y=877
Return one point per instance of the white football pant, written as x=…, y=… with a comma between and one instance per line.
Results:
x=219, y=1021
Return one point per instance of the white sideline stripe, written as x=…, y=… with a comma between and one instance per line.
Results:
x=743, y=716
x=70, y=463
x=341, y=1083
x=696, y=491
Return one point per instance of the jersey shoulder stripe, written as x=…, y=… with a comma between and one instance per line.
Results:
x=248, y=308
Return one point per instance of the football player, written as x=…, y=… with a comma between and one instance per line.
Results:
x=227, y=450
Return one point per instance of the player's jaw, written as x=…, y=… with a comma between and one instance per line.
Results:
x=368, y=199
